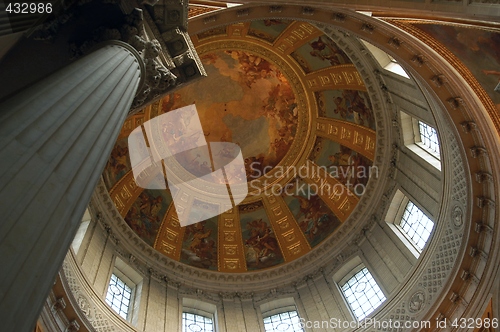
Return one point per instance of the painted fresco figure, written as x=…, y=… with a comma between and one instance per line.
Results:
x=261, y=245
x=326, y=52
x=118, y=161
x=201, y=250
x=351, y=106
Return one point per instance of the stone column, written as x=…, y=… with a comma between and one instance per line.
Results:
x=12, y=26
x=14, y=23
x=55, y=139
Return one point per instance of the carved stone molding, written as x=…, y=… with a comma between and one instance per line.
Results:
x=339, y=17
x=308, y=11
x=394, y=42
x=165, y=33
x=417, y=302
x=243, y=12
x=439, y=80
x=458, y=216
x=168, y=14
x=481, y=227
x=456, y=102
x=179, y=62
x=485, y=202
x=477, y=151
x=275, y=9
x=89, y=306
x=73, y=326
x=59, y=304
x=367, y=27
x=463, y=71
x=419, y=59
x=468, y=126
x=483, y=177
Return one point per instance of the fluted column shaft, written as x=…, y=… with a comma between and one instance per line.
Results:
x=55, y=139
x=12, y=23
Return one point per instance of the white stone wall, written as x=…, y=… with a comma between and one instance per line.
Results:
x=316, y=299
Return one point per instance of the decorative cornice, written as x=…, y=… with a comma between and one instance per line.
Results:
x=456, y=63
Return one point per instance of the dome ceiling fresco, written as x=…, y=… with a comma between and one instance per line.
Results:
x=247, y=101
x=296, y=106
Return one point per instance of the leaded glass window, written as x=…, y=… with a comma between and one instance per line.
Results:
x=119, y=296
x=288, y=321
x=196, y=323
x=416, y=225
x=429, y=138
x=363, y=293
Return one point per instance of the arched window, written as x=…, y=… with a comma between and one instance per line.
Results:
x=281, y=315
x=362, y=292
x=196, y=323
x=198, y=316
x=287, y=321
